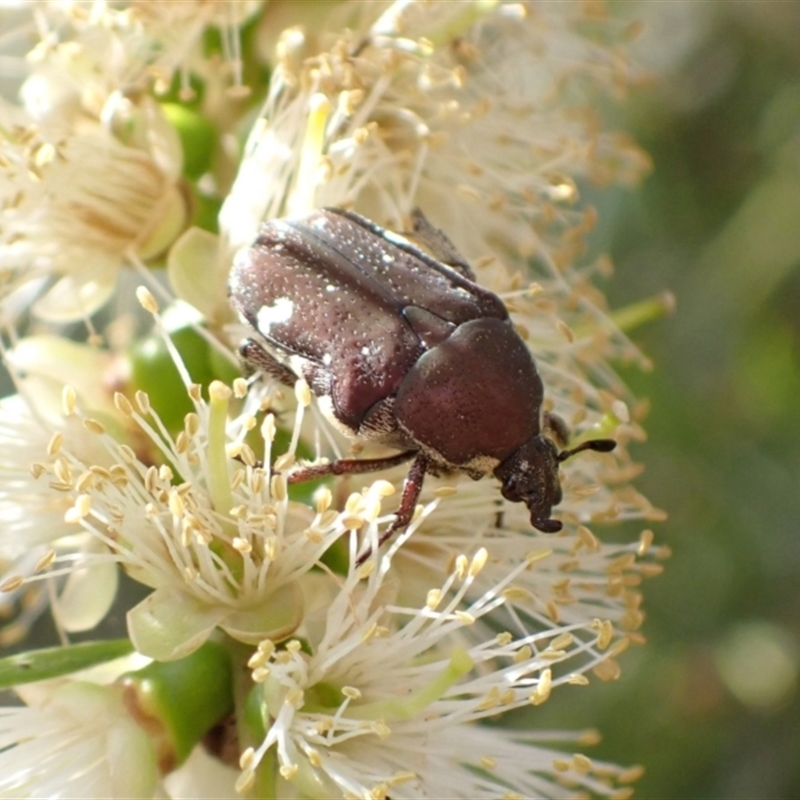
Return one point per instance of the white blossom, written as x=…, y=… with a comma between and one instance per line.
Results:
x=76, y=740
x=374, y=670
x=383, y=699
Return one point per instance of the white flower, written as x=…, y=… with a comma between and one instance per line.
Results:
x=382, y=700
x=91, y=49
x=76, y=740
x=89, y=166
x=33, y=530
x=217, y=539
x=474, y=111
x=202, y=775
x=172, y=35
x=79, y=205
x=492, y=138
x=372, y=679
x=572, y=577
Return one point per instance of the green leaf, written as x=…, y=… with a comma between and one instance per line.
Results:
x=52, y=662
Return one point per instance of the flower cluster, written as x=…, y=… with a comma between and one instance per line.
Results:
x=273, y=647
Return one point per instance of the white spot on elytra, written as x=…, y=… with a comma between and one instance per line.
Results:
x=331, y=288
x=327, y=359
x=281, y=311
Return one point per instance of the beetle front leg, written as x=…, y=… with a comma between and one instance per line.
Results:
x=348, y=466
x=412, y=487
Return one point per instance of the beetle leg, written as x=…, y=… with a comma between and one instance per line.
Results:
x=412, y=486
x=348, y=466
x=253, y=354
x=342, y=466
x=439, y=244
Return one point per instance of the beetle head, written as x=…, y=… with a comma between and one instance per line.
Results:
x=530, y=476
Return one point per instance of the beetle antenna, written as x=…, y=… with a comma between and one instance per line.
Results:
x=598, y=445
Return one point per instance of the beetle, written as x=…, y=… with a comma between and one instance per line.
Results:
x=404, y=348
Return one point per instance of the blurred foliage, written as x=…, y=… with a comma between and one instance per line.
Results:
x=710, y=706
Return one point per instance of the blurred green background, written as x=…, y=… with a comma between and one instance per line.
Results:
x=710, y=705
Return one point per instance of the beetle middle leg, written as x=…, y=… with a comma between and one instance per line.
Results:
x=348, y=466
x=412, y=486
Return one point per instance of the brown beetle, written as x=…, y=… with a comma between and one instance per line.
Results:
x=404, y=349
